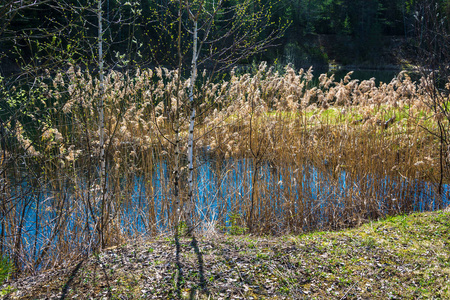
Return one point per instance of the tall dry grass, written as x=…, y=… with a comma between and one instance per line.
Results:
x=275, y=154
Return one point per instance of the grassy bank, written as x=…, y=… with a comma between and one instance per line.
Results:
x=403, y=257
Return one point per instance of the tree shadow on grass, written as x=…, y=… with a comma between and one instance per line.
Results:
x=73, y=274
x=200, y=263
x=66, y=286
x=179, y=280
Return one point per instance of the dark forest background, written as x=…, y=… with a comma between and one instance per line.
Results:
x=360, y=33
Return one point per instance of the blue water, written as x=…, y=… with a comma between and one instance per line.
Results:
x=306, y=192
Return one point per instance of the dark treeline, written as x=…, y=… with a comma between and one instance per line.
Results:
x=138, y=33
x=355, y=32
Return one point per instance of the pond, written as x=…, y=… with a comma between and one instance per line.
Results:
x=287, y=199
x=384, y=76
x=361, y=74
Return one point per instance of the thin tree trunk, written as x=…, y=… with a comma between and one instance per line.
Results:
x=176, y=172
x=190, y=203
x=3, y=197
x=101, y=127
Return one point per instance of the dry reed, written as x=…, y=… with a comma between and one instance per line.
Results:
x=275, y=154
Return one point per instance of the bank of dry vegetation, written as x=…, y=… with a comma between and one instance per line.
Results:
x=403, y=257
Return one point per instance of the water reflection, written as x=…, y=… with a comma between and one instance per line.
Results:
x=287, y=198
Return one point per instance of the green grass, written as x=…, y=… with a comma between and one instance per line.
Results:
x=6, y=268
x=402, y=257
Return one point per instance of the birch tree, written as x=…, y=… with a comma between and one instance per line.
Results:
x=101, y=122
x=214, y=35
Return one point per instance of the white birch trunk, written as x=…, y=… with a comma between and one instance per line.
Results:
x=176, y=172
x=190, y=203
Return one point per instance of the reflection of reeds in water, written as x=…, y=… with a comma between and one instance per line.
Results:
x=279, y=150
